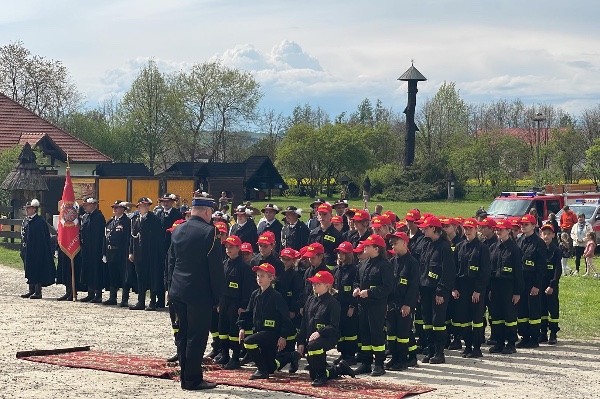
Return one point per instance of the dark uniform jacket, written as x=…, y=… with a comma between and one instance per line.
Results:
x=36, y=253
x=406, y=281
x=308, y=273
x=240, y=282
x=415, y=244
x=267, y=311
x=343, y=282
x=275, y=227
x=117, y=236
x=93, y=272
x=473, y=264
x=534, y=259
x=246, y=233
x=146, y=246
x=553, y=267
x=330, y=239
x=455, y=241
x=290, y=285
x=166, y=220
x=490, y=241
x=195, y=259
x=377, y=277
x=436, y=266
x=506, y=263
x=294, y=237
x=321, y=314
x=355, y=238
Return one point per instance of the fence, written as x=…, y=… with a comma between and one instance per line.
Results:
x=11, y=229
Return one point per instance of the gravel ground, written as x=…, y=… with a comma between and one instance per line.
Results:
x=570, y=369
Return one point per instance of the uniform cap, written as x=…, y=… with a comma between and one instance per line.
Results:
x=379, y=221
x=361, y=216
x=203, y=199
x=375, y=239
x=289, y=253
x=528, y=219
x=221, y=226
x=431, y=221
x=272, y=207
x=32, y=204
x=399, y=234
x=391, y=252
x=360, y=248
x=413, y=215
x=489, y=222
x=292, y=209
x=391, y=215
x=337, y=219
x=548, y=226
x=317, y=201
x=234, y=240
x=119, y=204
x=350, y=212
x=341, y=202
x=90, y=200
x=470, y=222
x=321, y=277
x=246, y=247
x=144, y=200
x=345, y=247
x=449, y=220
x=515, y=222
x=168, y=196
x=218, y=215
x=265, y=267
x=266, y=239
x=302, y=251
x=400, y=225
x=459, y=219
x=313, y=250
x=503, y=224
x=324, y=207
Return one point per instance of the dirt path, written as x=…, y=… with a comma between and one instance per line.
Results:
x=568, y=370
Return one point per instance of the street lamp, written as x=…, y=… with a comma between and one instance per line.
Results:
x=538, y=118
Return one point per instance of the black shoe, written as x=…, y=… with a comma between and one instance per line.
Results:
x=201, y=386
x=426, y=358
x=294, y=362
x=110, y=301
x=412, y=362
x=390, y=362
x=532, y=344
x=476, y=352
x=336, y=361
x=223, y=360
x=399, y=366
x=438, y=358
x=522, y=343
x=137, y=306
x=498, y=348
x=552, y=340
x=246, y=359
x=233, y=364
x=151, y=307
x=509, y=349
x=466, y=351
x=491, y=342
x=388, y=353
x=542, y=338
x=88, y=298
x=28, y=294
x=123, y=304
x=344, y=368
x=320, y=381
x=97, y=299
x=455, y=345
x=378, y=370
x=36, y=296
x=363, y=368
x=213, y=353
x=259, y=375
x=173, y=359
x=66, y=297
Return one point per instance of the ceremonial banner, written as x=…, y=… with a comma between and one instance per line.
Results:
x=68, y=222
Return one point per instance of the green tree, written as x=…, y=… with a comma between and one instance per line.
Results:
x=298, y=156
x=592, y=161
x=9, y=158
x=564, y=153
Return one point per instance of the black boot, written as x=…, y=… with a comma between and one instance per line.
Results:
x=498, y=348
x=97, y=297
x=378, y=370
x=234, y=362
x=124, y=298
x=343, y=368
x=509, y=349
x=439, y=357
x=363, y=368
x=112, y=299
x=552, y=340
x=30, y=292
x=67, y=296
x=430, y=351
x=294, y=362
x=475, y=353
x=37, y=294
x=320, y=380
x=224, y=358
x=152, y=305
x=89, y=296
x=137, y=306
x=456, y=344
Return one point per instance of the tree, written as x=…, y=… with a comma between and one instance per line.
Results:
x=565, y=151
x=298, y=156
x=9, y=158
x=592, y=161
x=41, y=85
x=273, y=126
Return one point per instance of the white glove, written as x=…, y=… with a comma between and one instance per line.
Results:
x=104, y=258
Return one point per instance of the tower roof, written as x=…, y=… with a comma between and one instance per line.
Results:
x=412, y=74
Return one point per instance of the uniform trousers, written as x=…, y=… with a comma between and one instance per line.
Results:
x=400, y=337
x=262, y=348
x=348, y=343
x=316, y=355
x=502, y=311
x=468, y=316
x=228, y=329
x=434, y=318
x=191, y=340
x=530, y=312
x=214, y=330
x=549, y=305
x=371, y=320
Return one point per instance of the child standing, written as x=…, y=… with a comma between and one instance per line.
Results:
x=345, y=274
x=319, y=331
x=565, y=249
x=549, y=299
x=268, y=316
x=588, y=254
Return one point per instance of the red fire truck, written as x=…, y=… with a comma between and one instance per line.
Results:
x=510, y=204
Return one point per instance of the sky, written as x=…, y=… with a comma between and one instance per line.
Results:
x=327, y=53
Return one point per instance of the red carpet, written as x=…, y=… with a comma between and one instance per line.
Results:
x=299, y=383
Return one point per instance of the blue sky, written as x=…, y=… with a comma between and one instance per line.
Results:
x=331, y=53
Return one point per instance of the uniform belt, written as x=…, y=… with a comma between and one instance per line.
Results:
x=112, y=247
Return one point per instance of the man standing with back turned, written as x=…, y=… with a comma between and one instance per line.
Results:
x=196, y=286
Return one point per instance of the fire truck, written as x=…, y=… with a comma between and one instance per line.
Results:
x=512, y=204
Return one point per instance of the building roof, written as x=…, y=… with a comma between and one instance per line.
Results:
x=18, y=126
x=183, y=169
x=122, y=170
x=412, y=74
x=257, y=171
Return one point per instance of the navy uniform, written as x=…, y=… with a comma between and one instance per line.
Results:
x=401, y=340
x=377, y=277
x=273, y=226
x=472, y=276
x=344, y=277
x=167, y=217
x=330, y=238
x=549, y=302
x=36, y=253
x=240, y=282
x=146, y=248
x=437, y=273
x=116, y=250
x=197, y=284
x=415, y=246
x=93, y=272
x=506, y=281
x=322, y=315
x=268, y=317
x=294, y=235
x=534, y=268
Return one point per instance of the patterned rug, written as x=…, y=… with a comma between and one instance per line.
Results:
x=299, y=383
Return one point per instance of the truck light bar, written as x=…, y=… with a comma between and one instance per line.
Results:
x=528, y=194
x=586, y=201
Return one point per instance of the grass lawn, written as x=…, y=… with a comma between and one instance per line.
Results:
x=9, y=257
x=439, y=208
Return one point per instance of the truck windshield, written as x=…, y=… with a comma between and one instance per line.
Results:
x=506, y=207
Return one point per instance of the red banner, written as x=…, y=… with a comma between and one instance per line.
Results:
x=68, y=223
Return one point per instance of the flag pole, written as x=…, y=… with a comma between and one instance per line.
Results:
x=73, y=287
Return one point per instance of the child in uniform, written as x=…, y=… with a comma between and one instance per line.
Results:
x=319, y=331
x=345, y=274
x=269, y=318
x=549, y=297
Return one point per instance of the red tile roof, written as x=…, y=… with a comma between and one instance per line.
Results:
x=18, y=125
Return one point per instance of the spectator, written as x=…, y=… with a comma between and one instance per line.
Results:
x=578, y=234
x=567, y=220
